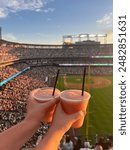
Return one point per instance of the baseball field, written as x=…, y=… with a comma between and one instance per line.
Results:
x=99, y=118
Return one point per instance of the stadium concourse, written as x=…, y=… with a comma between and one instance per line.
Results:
x=15, y=57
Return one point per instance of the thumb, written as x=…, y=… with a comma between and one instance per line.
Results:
x=76, y=116
x=52, y=102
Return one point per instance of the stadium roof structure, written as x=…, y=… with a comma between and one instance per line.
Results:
x=84, y=36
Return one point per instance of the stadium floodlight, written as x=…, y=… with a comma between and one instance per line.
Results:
x=83, y=35
x=75, y=36
x=101, y=35
x=92, y=35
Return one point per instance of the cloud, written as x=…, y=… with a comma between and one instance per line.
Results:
x=106, y=20
x=3, y=13
x=8, y=6
x=10, y=37
x=49, y=10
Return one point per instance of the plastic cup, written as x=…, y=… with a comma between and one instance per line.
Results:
x=43, y=95
x=72, y=101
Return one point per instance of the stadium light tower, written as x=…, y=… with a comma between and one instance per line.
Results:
x=69, y=39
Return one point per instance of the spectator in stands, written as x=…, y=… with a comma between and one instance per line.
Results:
x=86, y=143
x=100, y=144
x=39, y=139
x=15, y=137
x=109, y=146
x=78, y=145
x=67, y=144
x=98, y=147
x=109, y=143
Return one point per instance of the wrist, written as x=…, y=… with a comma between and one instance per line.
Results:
x=52, y=139
x=56, y=134
x=29, y=119
x=56, y=130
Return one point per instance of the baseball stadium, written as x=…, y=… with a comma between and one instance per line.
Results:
x=25, y=67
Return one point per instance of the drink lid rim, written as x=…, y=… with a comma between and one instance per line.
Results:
x=44, y=99
x=67, y=99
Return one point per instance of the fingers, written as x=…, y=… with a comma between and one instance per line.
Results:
x=59, y=107
x=76, y=116
x=84, y=112
x=52, y=102
x=30, y=96
x=73, y=117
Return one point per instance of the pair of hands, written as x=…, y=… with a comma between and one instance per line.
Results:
x=36, y=111
x=61, y=123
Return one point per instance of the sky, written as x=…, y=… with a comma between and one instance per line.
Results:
x=46, y=21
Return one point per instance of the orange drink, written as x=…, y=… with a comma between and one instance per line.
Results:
x=72, y=101
x=43, y=95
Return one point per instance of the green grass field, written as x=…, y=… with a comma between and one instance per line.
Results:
x=100, y=110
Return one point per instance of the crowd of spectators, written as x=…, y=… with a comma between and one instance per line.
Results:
x=76, y=51
x=13, y=98
x=79, y=143
x=76, y=55
x=5, y=54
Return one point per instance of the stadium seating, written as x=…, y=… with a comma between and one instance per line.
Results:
x=14, y=94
